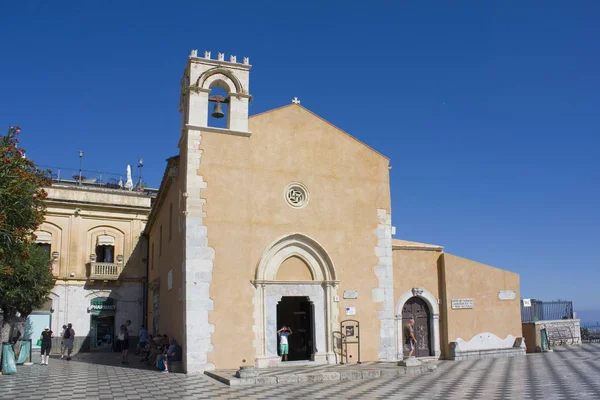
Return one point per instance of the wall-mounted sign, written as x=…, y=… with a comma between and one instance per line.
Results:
x=351, y=294
x=526, y=302
x=350, y=310
x=507, y=295
x=459, y=304
x=103, y=305
x=350, y=331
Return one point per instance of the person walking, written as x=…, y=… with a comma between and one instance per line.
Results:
x=409, y=337
x=46, y=338
x=68, y=338
x=124, y=339
x=284, y=348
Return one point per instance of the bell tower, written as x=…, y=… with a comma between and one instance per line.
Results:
x=201, y=75
x=200, y=109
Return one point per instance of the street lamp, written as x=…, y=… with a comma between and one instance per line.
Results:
x=80, y=161
x=140, y=166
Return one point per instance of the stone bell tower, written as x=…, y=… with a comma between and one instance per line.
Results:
x=200, y=76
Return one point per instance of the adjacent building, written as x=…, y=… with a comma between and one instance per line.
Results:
x=281, y=218
x=92, y=231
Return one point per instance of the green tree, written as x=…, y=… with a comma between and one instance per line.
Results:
x=28, y=285
x=25, y=277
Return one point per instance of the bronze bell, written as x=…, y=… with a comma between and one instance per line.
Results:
x=217, y=111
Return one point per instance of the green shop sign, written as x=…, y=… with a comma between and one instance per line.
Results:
x=103, y=306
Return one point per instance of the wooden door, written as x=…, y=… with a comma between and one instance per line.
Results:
x=416, y=308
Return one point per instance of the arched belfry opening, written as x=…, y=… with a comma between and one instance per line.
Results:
x=215, y=93
x=295, y=283
x=218, y=106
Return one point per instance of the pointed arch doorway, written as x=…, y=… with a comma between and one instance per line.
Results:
x=296, y=277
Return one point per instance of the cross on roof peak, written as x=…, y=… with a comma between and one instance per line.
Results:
x=295, y=100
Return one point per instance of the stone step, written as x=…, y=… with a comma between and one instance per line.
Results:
x=330, y=374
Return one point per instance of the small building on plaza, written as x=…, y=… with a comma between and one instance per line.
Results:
x=92, y=232
x=281, y=218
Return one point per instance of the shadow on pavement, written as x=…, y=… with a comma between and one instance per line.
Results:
x=112, y=359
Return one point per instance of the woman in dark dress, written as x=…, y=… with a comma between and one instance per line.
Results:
x=46, y=337
x=124, y=339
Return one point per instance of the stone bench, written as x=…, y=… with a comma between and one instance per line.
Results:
x=175, y=366
x=486, y=345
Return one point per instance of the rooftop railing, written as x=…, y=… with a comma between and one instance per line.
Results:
x=546, y=310
x=97, y=179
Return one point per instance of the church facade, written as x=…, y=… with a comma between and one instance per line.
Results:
x=282, y=218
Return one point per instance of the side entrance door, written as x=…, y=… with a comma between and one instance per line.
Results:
x=416, y=308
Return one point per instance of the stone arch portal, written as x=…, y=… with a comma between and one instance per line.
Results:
x=269, y=292
x=433, y=315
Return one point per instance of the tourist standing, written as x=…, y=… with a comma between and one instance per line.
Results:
x=284, y=348
x=68, y=339
x=143, y=339
x=46, y=338
x=124, y=339
x=62, y=342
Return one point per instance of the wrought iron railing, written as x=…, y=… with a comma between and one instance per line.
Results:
x=97, y=179
x=104, y=271
x=546, y=310
x=590, y=333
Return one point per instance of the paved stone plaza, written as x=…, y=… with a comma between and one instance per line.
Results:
x=567, y=373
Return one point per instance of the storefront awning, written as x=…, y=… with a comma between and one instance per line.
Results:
x=105, y=240
x=43, y=237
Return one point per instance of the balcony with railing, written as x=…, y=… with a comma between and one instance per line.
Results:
x=103, y=271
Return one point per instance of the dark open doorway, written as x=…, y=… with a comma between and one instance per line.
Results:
x=297, y=313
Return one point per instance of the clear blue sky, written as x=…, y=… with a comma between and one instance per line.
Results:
x=489, y=111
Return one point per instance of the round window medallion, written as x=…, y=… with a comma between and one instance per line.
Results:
x=296, y=195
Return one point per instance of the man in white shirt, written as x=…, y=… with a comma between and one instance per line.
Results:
x=284, y=348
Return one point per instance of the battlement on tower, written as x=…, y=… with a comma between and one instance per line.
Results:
x=220, y=58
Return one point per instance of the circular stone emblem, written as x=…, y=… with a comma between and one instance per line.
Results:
x=296, y=195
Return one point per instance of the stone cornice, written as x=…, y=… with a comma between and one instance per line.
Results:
x=89, y=205
x=228, y=64
x=421, y=248
x=257, y=283
x=217, y=130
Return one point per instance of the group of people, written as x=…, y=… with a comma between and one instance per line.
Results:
x=159, y=351
x=66, y=343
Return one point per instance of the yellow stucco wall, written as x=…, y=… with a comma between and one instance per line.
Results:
x=469, y=279
x=246, y=211
x=415, y=268
x=170, y=258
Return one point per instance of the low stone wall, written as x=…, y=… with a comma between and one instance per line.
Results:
x=486, y=345
x=560, y=332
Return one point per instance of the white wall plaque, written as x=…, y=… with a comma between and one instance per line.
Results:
x=526, y=302
x=351, y=294
x=507, y=295
x=458, y=304
x=350, y=311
